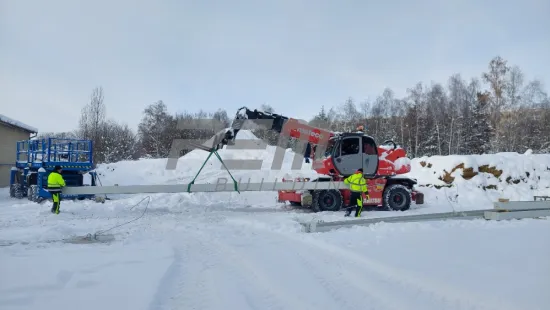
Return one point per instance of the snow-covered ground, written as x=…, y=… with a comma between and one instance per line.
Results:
x=245, y=251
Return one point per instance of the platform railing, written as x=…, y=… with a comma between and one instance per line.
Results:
x=54, y=150
x=69, y=150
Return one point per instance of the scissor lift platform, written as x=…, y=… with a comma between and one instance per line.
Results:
x=37, y=158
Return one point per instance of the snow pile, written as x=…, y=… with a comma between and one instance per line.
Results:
x=153, y=171
x=503, y=172
x=13, y=122
x=245, y=135
x=401, y=162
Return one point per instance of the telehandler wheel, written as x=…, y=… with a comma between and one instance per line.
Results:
x=327, y=200
x=397, y=197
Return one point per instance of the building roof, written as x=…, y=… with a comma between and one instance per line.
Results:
x=10, y=121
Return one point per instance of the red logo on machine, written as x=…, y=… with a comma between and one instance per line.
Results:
x=314, y=135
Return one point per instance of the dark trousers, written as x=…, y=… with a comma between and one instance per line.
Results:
x=355, y=202
x=56, y=197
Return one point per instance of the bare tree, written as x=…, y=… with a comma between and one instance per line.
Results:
x=498, y=83
x=119, y=142
x=91, y=122
x=157, y=130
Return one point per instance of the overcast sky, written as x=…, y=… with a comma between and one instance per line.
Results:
x=295, y=55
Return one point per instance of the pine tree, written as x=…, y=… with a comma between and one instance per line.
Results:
x=481, y=130
x=321, y=120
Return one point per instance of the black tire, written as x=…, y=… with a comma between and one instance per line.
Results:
x=12, y=191
x=34, y=193
x=30, y=195
x=397, y=197
x=327, y=200
x=17, y=191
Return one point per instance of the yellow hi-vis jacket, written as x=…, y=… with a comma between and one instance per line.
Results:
x=55, y=180
x=357, y=183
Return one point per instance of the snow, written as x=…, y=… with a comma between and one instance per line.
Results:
x=245, y=251
x=13, y=122
x=522, y=175
x=400, y=162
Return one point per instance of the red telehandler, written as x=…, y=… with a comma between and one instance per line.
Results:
x=337, y=155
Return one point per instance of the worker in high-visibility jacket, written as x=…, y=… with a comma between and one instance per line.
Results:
x=55, y=183
x=357, y=186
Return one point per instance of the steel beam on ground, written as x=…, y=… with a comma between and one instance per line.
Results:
x=503, y=211
x=522, y=205
x=516, y=215
x=320, y=226
x=216, y=187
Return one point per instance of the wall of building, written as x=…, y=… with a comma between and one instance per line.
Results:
x=9, y=135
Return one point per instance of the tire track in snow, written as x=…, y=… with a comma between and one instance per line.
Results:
x=345, y=287
x=333, y=283
x=446, y=295
x=195, y=289
x=362, y=292
x=294, y=288
x=434, y=291
x=210, y=263
x=351, y=289
x=251, y=274
x=167, y=281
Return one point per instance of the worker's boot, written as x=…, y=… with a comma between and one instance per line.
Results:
x=348, y=211
x=358, y=211
x=54, y=208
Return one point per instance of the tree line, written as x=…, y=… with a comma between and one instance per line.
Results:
x=499, y=111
